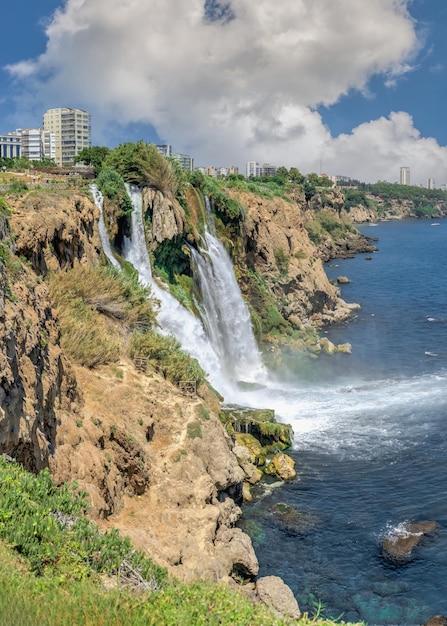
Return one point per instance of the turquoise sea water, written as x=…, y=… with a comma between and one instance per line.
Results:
x=370, y=442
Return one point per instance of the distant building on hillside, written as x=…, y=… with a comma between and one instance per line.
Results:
x=37, y=144
x=10, y=146
x=185, y=161
x=252, y=168
x=165, y=149
x=430, y=183
x=72, y=132
x=404, y=175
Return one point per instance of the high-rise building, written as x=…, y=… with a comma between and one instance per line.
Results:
x=430, y=183
x=251, y=169
x=72, y=132
x=165, y=149
x=36, y=143
x=404, y=175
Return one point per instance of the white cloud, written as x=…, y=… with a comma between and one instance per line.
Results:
x=229, y=90
x=376, y=150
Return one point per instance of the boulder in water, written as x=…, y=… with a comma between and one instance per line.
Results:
x=401, y=542
x=282, y=466
x=437, y=620
x=293, y=521
x=342, y=280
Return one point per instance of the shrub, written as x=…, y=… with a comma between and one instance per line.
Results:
x=18, y=187
x=84, y=297
x=47, y=525
x=165, y=352
x=111, y=184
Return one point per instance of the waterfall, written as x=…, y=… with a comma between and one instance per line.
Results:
x=224, y=313
x=99, y=201
x=173, y=318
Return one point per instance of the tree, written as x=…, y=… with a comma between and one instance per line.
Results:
x=296, y=176
x=95, y=156
x=142, y=164
x=282, y=175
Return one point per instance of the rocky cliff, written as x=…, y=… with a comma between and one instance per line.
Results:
x=156, y=463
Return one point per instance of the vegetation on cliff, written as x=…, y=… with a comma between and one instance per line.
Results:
x=66, y=564
x=105, y=313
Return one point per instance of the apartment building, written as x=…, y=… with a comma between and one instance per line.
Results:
x=72, y=132
x=185, y=161
x=10, y=146
x=36, y=144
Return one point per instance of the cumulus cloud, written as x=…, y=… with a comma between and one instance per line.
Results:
x=228, y=81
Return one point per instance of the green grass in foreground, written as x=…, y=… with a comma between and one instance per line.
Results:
x=26, y=600
x=57, y=580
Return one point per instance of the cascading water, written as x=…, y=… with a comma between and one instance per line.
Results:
x=174, y=319
x=99, y=201
x=224, y=313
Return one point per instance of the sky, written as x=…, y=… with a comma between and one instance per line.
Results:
x=347, y=87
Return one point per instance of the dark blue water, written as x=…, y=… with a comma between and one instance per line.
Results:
x=371, y=443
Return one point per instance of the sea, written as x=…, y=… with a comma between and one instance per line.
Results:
x=370, y=442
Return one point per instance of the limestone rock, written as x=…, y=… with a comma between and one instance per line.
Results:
x=257, y=454
x=236, y=550
x=278, y=247
x=252, y=473
x=282, y=466
x=273, y=592
x=167, y=216
x=342, y=280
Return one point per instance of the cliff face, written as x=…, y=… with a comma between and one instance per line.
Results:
x=55, y=230
x=277, y=246
x=156, y=464
x=37, y=385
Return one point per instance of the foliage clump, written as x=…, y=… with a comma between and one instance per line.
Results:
x=112, y=186
x=166, y=355
x=142, y=164
x=47, y=525
x=84, y=296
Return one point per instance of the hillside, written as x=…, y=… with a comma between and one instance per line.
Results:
x=90, y=390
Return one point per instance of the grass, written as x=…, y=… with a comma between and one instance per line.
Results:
x=86, y=298
x=26, y=599
x=166, y=354
x=58, y=578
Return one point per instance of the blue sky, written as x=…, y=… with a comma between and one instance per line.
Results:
x=359, y=87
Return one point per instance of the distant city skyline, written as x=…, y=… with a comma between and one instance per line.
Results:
x=226, y=97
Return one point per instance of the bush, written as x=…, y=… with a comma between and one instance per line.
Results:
x=18, y=188
x=166, y=354
x=111, y=184
x=142, y=164
x=84, y=297
x=47, y=525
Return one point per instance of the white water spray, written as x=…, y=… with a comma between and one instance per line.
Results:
x=104, y=236
x=174, y=319
x=224, y=313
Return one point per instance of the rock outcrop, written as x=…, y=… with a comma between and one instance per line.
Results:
x=400, y=545
x=273, y=592
x=278, y=248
